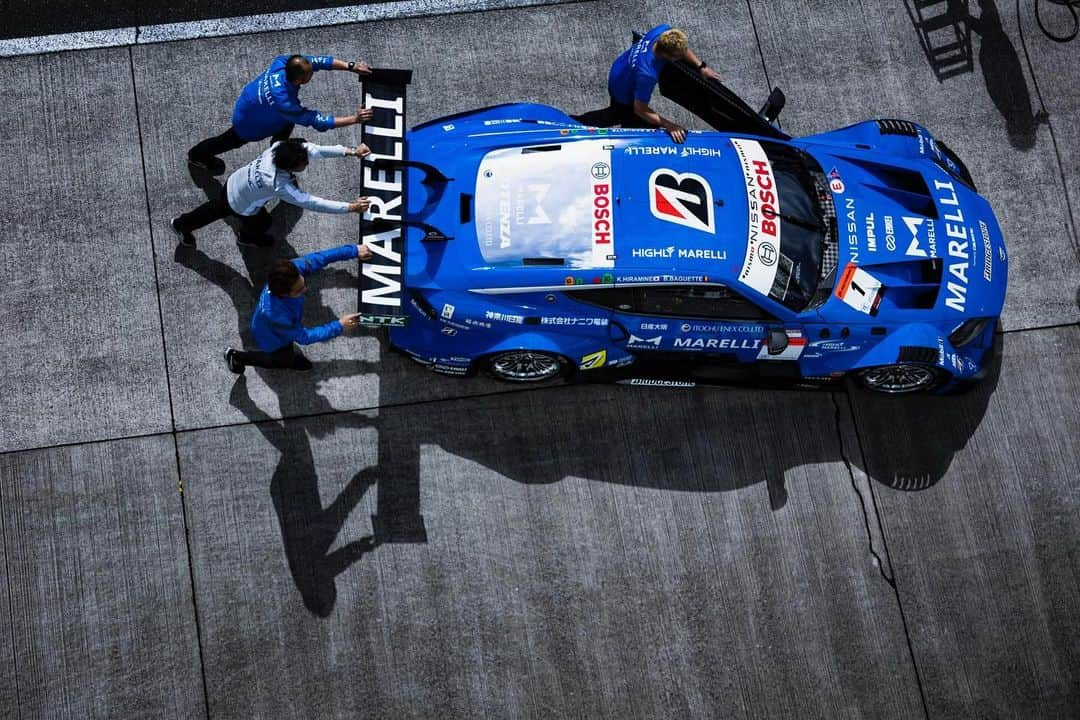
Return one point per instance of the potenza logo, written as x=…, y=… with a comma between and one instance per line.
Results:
x=682, y=198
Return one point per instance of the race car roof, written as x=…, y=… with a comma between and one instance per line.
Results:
x=604, y=203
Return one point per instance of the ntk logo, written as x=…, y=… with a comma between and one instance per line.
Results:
x=682, y=198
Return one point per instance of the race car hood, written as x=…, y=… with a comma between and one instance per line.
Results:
x=916, y=226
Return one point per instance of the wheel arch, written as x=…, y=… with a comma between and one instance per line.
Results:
x=919, y=342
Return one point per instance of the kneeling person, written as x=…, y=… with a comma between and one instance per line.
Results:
x=278, y=320
x=271, y=175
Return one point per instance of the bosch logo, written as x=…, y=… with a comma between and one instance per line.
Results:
x=601, y=171
x=767, y=253
x=685, y=327
x=601, y=213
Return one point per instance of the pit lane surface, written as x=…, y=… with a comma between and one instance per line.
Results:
x=557, y=551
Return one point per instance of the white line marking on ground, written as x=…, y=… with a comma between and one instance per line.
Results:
x=247, y=24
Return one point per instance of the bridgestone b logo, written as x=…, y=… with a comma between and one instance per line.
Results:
x=682, y=198
x=382, y=276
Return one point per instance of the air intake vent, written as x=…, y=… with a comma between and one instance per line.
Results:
x=911, y=353
x=897, y=127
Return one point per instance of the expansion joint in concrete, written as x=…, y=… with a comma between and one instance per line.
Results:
x=880, y=558
x=868, y=502
x=168, y=389
x=761, y=51
x=1056, y=326
x=11, y=606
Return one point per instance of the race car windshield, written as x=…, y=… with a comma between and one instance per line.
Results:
x=805, y=228
x=788, y=232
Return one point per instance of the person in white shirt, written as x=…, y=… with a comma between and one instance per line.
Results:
x=271, y=175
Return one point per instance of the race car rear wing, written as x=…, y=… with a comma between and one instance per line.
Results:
x=382, y=278
x=716, y=104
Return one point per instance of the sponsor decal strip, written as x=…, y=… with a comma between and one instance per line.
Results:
x=382, y=277
x=603, y=229
x=763, y=206
x=794, y=349
x=567, y=286
x=959, y=242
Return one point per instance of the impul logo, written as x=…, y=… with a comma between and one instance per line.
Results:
x=682, y=198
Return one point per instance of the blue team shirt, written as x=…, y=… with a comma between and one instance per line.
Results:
x=278, y=321
x=634, y=74
x=269, y=103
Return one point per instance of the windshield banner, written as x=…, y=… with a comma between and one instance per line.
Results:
x=763, y=202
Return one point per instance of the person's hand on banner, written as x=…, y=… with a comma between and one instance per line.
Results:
x=360, y=68
x=360, y=151
x=363, y=114
x=359, y=205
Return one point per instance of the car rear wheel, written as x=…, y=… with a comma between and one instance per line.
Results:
x=900, y=378
x=525, y=365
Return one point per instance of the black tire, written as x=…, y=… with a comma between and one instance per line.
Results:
x=526, y=366
x=901, y=378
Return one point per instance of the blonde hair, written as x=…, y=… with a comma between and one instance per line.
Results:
x=672, y=42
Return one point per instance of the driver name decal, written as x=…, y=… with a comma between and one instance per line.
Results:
x=682, y=198
x=763, y=225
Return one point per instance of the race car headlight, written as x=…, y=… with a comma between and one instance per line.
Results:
x=968, y=331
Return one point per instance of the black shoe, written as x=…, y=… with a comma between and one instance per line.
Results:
x=212, y=165
x=255, y=241
x=234, y=364
x=186, y=238
x=300, y=362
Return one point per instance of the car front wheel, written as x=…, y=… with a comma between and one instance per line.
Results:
x=525, y=365
x=900, y=378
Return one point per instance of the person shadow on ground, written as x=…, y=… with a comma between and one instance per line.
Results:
x=1004, y=76
x=308, y=529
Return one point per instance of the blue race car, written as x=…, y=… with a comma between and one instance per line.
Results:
x=532, y=247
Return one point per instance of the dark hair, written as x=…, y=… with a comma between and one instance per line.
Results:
x=290, y=154
x=283, y=275
x=296, y=67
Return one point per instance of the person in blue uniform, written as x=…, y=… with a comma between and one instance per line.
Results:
x=269, y=106
x=277, y=324
x=633, y=78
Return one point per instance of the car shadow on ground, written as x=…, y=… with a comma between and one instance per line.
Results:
x=695, y=439
x=704, y=440
x=908, y=443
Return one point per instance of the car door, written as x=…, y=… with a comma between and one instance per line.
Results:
x=692, y=324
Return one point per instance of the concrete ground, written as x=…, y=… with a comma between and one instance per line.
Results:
x=180, y=543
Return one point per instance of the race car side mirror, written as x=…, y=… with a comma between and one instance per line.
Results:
x=773, y=105
x=777, y=342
